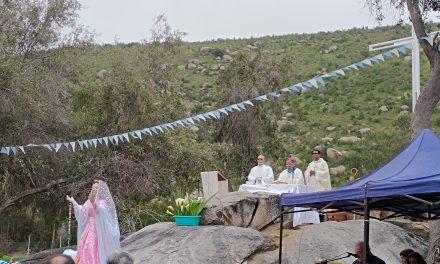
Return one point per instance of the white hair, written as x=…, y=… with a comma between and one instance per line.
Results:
x=120, y=257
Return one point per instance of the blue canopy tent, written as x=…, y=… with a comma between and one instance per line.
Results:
x=407, y=185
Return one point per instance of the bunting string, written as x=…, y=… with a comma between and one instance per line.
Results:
x=140, y=134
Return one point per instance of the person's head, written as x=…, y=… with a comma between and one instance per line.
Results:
x=94, y=190
x=316, y=154
x=404, y=255
x=120, y=257
x=415, y=258
x=58, y=259
x=359, y=250
x=261, y=160
x=290, y=162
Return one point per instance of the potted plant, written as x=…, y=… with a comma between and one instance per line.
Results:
x=186, y=211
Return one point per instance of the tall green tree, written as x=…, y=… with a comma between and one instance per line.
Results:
x=35, y=79
x=248, y=133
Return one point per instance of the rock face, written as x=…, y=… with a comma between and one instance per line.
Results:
x=242, y=209
x=349, y=139
x=168, y=243
x=329, y=239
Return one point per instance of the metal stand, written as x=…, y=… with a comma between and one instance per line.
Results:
x=338, y=257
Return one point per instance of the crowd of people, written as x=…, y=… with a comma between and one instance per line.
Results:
x=316, y=175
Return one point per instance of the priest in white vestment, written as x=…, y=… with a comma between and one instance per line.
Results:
x=291, y=175
x=317, y=173
x=262, y=173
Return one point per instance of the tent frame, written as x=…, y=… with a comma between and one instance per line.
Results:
x=368, y=204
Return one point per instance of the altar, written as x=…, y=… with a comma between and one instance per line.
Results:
x=308, y=217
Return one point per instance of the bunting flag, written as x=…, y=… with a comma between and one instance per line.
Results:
x=299, y=88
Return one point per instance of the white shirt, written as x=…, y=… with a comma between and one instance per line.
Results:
x=321, y=179
x=263, y=171
x=292, y=178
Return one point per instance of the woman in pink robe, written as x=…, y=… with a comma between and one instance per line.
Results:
x=98, y=229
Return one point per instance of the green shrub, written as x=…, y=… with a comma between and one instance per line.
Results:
x=217, y=52
x=287, y=128
x=403, y=122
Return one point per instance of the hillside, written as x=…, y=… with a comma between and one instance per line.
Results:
x=114, y=89
x=347, y=103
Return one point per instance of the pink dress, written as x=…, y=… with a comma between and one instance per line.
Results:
x=88, y=250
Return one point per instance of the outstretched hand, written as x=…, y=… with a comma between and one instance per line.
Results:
x=70, y=199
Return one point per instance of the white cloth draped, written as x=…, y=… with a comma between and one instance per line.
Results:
x=321, y=179
x=309, y=217
x=263, y=171
x=106, y=222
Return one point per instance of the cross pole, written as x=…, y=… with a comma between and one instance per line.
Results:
x=412, y=42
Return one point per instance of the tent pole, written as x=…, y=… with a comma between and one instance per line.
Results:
x=366, y=226
x=281, y=235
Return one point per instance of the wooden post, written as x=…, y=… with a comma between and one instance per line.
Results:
x=29, y=245
x=52, y=244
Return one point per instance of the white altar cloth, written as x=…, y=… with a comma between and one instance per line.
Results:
x=309, y=217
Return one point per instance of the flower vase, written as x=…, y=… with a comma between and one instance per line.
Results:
x=187, y=220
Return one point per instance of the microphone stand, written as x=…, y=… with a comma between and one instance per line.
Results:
x=338, y=257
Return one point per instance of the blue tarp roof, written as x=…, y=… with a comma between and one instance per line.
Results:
x=414, y=171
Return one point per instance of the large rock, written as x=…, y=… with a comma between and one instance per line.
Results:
x=327, y=140
x=349, y=139
x=242, y=209
x=205, y=50
x=419, y=229
x=329, y=239
x=338, y=170
x=383, y=108
x=333, y=153
x=191, y=66
x=227, y=58
x=364, y=130
x=168, y=243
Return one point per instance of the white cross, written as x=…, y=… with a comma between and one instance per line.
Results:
x=413, y=43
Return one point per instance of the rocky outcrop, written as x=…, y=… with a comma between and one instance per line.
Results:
x=168, y=243
x=328, y=239
x=242, y=209
x=419, y=229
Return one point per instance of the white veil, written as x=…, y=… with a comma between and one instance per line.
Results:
x=106, y=221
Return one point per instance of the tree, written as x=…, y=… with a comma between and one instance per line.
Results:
x=430, y=95
x=35, y=77
x=249, y=132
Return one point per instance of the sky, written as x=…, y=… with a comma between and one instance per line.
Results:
x=131, y=20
